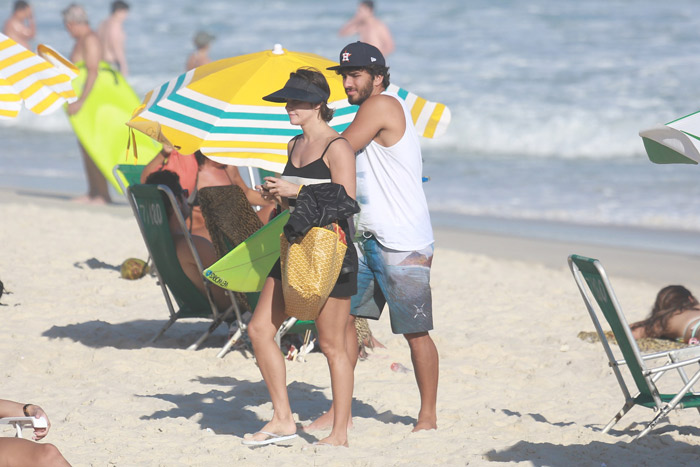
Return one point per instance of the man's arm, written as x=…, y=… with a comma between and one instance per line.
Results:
x=18, y=30
x=386, y=39
x=30, y=28
x=91, y=55
x=379, y=118
x=117, y=40
x=349, y=28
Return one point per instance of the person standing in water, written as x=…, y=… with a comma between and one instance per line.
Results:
x=202, y=41
x=369, y=28
x=86, y=54
x=113, y=38
x=20, y=26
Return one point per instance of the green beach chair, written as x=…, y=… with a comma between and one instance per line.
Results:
x=294, y=326
x=127, y=175
x=191, y=303
x=591, y=279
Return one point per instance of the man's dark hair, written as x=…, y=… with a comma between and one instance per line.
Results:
x=119, y=5
x=169, y=179
x=20, y=5
x=369, y=4
x=379, y=70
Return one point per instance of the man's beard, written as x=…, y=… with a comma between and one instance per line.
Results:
x=362, y=95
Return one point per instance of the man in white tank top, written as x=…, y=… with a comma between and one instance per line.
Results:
x=394, y=235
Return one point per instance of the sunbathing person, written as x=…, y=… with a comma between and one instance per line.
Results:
x=212, y=173
x=22, y=452
x=198, y=171
x=675, y=316
x=204, y=247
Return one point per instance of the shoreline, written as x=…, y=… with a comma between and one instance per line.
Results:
x=660, y=256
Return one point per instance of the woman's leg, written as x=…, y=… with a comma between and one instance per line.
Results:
x=331, y=325
x=267, y=318
x=22, y=452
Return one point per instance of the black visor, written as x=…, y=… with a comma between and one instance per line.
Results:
x=298, y=89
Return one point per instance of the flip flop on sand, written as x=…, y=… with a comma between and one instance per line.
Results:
x=271, y=438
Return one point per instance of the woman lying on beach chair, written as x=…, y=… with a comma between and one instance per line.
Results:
x=675, y=316
x=22, y=452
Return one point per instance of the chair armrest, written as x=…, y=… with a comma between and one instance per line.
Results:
x=656, y=355
x=23, y=422
x=672, y=366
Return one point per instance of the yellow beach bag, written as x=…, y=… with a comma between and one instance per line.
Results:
x=310, y=269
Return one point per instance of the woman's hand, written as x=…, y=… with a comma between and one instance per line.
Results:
x=37, y=412
x=265, y=193
x=281, y=188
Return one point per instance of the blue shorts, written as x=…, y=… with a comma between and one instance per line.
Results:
x=399, y=278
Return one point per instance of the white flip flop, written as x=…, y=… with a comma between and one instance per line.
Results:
x=272, y=438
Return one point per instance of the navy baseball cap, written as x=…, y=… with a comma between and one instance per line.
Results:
x=359, y=55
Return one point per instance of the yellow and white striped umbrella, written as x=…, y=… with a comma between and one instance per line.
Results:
x=42, y=84
x=218, y=109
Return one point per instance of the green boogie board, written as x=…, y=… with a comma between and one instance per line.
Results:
x=245, y=268
x=100, y=125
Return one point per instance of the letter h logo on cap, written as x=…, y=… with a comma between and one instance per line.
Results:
x=346, y=56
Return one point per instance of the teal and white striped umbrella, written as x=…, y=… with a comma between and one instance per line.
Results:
x=218, y=109
x=677, y=142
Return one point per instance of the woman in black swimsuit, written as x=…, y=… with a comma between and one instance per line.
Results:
x=318, y=155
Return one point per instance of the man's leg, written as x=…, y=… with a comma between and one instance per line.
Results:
x=98, y=191
x=424, y=356
x=405, y=280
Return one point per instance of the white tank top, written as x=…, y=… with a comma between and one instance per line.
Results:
x=390, y=191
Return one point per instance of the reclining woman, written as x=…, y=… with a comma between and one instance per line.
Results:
x=205, y=249
x=675, y=316
x=318, y=155
x=198, y=171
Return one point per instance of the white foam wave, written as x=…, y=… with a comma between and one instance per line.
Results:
x=592, y=216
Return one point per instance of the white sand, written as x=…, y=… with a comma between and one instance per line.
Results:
x=516, y=384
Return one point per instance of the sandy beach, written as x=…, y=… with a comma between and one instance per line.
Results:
x=516, y=384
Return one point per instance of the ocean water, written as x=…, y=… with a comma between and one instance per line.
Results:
x=547, y=97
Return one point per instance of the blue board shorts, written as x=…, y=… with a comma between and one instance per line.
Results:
x=400, y=279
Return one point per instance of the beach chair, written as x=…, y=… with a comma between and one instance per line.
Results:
x=176, y=286
x=131, y=173
x=591, y=279
x=293, y=326
x=23, y=422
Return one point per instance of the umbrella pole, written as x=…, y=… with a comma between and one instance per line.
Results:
x=252, y=177
x=253, y=183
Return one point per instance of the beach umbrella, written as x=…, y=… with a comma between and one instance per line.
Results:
x=677, y=142
x=218, y=109
x=41, y=84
